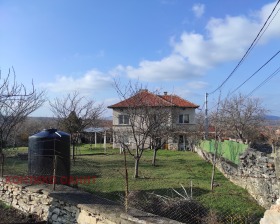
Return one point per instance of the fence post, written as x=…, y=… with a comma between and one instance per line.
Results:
x=105, y=141
x=54, y=171
x=191, y=189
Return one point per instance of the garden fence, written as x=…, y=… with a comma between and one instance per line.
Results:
x=180, y=192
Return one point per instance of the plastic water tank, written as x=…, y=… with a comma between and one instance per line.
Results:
x=43, y=148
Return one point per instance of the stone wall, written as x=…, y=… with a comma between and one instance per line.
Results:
x=255, y=173
x=69, y=205
x=272, y=216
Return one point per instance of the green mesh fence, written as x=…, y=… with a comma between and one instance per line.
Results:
x=227, y=149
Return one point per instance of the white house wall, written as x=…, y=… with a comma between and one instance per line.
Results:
x=172, y=142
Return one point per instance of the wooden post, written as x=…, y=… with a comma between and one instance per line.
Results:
x=206, y=117
x=105, y=140
x=54, y=171
x=114, y=139
x=95, y=139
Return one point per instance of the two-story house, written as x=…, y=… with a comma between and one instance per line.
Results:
x=181, y=115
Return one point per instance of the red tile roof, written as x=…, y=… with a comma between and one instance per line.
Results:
x=145, y=98
x=178, y=101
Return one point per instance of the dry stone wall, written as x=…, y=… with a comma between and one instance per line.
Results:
x=256, y=173
x=272, y=216
x=69, y=205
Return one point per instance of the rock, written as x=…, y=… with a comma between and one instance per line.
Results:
x=272, y=216
x=54, y=217
x=56, y=211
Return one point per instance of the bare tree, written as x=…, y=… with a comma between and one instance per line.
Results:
x=242, y=116
x=74, y=113
x=29, y=127
x=200, y=124
x=215, y=122
x=161, y=128
x=271, y=135
x=16, y=103
x=238, y=116
x=147, y=117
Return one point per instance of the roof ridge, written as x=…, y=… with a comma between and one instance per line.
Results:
x=179, y=98
x=139, y=94
x=154, y=95
x=161, y=96
x=186, y=100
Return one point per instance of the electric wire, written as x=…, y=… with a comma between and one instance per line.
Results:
x=249, y=49
x=255, y=72
x=202, y=107
x=265, y=81
x=255, y=89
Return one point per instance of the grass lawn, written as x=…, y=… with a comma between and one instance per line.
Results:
x=174, y=168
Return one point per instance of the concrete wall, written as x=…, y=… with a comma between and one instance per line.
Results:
x=69, y=205
x=255, y=173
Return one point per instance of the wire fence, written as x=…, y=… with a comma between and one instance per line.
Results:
x=177, y=188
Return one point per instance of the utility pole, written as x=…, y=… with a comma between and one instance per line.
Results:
x=206, y=116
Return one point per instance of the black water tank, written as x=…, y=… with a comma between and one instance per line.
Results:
x=43, y=148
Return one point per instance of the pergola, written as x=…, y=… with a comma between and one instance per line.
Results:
x=98, y=130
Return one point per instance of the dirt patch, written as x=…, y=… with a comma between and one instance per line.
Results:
x=11, y=215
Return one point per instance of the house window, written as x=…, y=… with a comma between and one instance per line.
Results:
x=184, y=119
x=123, y=119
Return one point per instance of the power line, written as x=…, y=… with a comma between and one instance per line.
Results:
x=249, y=49
x=202, y=107
x=255, y=89
x=255, y=72
x=265, y=81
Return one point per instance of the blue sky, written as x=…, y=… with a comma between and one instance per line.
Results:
x=183, y=47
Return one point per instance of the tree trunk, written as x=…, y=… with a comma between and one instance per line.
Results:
x=214, y=166
x=273, y=148
x=136, y=169
x=154, y=157
x=242, y=138
x=2, y=163
x=126, y=182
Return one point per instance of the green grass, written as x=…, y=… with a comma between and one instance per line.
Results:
x=4, y=205
x=174, y=168
x=15, y=151
x=228, y=149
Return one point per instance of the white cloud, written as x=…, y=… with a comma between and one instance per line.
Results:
x=273, y=29
x=198, y=9
x=225, y=39
x=197, y=85
x=91, y=81
x=172, y=67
